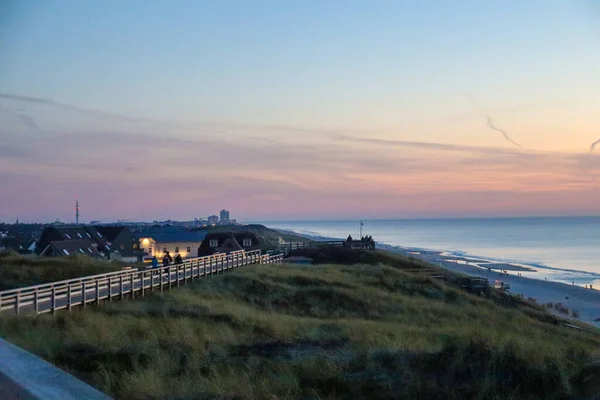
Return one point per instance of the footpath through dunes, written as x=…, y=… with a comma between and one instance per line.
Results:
x=376, y=329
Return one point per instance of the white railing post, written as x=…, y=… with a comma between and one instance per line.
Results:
x=110, y=288
x=17, y=303
x=83, y=293
x=121, y=288
x=131, y=288
x=36, y=305
x=162, y=274
x=69, y=305
x=97, y=291
x=53, y=299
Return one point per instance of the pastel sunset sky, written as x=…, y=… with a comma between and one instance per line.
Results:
x=306, y=109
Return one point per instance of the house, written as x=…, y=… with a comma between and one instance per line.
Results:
x=66, y=233
x=176, y=241
x=59, y=248
x=123, y=242
x=226, y=242
x=114, y=242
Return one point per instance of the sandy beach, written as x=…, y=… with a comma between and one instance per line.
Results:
x=586, y=302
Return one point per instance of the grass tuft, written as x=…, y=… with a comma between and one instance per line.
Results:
x=353, y=331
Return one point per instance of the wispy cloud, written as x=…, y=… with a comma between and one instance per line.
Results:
x=161, y=170
x=28, y=121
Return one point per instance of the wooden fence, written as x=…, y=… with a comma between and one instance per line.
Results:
x=67, y=294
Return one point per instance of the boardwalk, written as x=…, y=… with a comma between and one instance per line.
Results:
x=55, y=296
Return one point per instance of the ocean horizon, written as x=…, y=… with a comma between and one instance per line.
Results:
x=562, y=249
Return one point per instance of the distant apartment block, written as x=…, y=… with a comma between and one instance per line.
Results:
x=224, y=217
x=213, y=219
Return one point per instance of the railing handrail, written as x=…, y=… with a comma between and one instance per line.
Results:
x=74, y=292
x=67, y=282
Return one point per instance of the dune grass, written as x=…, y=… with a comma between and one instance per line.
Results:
x=19, y=271
x=365, y=331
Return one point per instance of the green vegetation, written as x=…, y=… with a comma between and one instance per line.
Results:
x=20, y=271
x=370, y=330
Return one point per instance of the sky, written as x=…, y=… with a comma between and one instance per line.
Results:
x=147, y=110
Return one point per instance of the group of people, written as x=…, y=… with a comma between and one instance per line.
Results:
x=365, y=242
x=167, y=260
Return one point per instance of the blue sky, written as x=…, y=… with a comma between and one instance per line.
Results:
x=305, y=62
x=381, y=71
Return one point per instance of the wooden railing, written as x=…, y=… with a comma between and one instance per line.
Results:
x=51, y=297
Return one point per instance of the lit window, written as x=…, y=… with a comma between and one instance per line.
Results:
x=213, y=243
x=247, y=242
x=67, y=235
x=135, y=246
x=176, y=249
x=189, y=249
x=65, y=251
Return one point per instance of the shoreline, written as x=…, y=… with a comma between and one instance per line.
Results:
x=521, y=278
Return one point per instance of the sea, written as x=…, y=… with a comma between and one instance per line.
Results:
x=563, y=249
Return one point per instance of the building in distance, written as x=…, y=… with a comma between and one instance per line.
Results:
x=224, y=217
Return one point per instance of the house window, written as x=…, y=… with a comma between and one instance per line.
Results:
x=65, y=251
x=164, y=250
x=176, y=249
x=135, y=246
x=81, y=251
x=247, y=243
x=213, y=243
x=68, y=236
x=99, y=234
x=88, y=235
x=189, y=249
x=80, y=237
x=90, y=250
